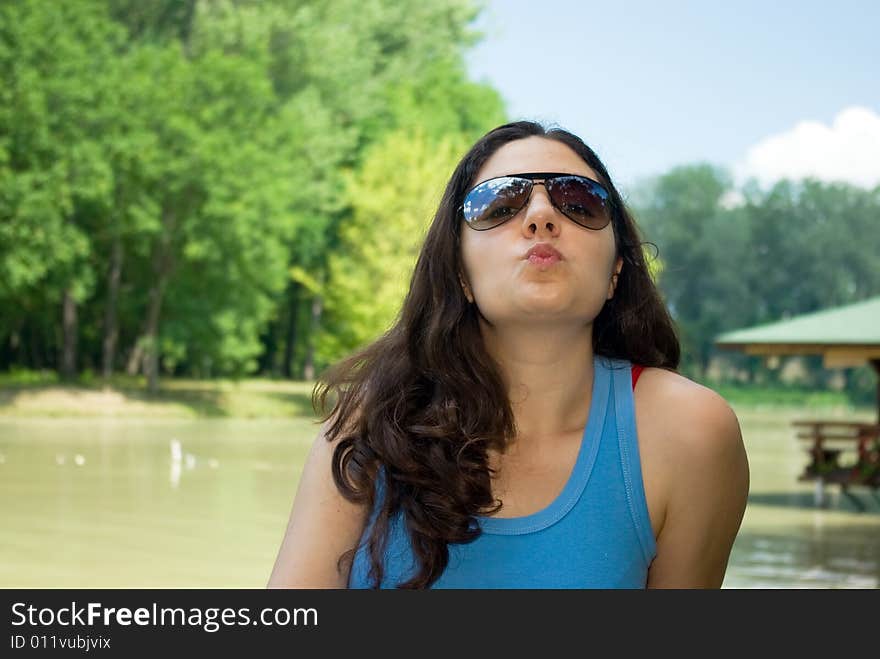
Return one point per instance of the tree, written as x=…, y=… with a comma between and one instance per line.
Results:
x=700, y=245
x=393, y=196
x=55, y=181
x=166, y=167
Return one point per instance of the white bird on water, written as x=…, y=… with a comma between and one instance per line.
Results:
x=188, y=459
x=78, y=459
x=176, y=451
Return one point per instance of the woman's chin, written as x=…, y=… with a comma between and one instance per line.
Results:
x=536, y=309
x=546, y=301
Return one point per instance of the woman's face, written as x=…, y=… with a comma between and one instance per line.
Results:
x=509, y=288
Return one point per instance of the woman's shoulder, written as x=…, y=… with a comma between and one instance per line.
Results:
x=689, y=439
x=696, y=476
x=679, y=404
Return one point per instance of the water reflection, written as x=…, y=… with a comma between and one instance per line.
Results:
x=137, y=503
x=135, y=512
x=806, y=557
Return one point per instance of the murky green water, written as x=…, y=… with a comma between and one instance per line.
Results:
x=124, y=503
x=786, y=540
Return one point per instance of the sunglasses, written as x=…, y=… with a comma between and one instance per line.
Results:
x=496, y=200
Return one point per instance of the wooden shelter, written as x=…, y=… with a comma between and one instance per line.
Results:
x=845, y=336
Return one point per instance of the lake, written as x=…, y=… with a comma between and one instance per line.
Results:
x=90, y=502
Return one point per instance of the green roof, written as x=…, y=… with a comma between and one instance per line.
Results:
x=852, y=324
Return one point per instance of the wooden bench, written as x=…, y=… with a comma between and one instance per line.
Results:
x=829, y=442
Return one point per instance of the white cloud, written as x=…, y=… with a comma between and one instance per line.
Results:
x=848, y=150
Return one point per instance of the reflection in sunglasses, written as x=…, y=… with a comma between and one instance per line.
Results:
x=494, y=201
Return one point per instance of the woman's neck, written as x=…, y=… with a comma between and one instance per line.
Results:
x=549, y=373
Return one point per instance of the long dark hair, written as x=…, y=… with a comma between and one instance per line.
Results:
x=425, y=402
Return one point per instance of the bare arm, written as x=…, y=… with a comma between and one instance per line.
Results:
x=707, y=499
x=323, y=525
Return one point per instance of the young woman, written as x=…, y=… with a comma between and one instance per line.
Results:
x=522, y=424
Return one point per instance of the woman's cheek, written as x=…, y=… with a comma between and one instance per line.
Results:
x=489, y=292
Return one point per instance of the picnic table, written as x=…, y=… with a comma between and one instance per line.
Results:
x=829, y=442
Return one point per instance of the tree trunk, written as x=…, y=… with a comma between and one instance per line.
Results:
x=18, y=353
x=292, y=307
x=309, y=367
x=67, y=366
x=111, y=328
x=146, y=349
x=134, y=357
x=36, y=348
x=151, y=356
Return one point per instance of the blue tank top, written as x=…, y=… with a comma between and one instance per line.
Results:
x=595, y=534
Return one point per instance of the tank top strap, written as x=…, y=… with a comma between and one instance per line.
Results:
x=624, y=407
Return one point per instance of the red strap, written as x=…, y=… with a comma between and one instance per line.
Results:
x=636, y=372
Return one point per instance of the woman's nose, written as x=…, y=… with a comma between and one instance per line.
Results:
x=540, y=216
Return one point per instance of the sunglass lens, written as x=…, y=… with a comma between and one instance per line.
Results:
x=582, y=200
x=495, y=201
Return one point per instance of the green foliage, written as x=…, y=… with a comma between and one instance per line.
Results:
x=211, y=147
x=393, y=196
x=683, y=216
x=17, y=377
x=780, y=395
x=794, y=248
x=54, y=176
x=261, y=175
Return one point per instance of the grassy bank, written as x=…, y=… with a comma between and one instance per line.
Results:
x=41, y=394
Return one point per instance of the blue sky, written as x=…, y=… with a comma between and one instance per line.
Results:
x=753, y=86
